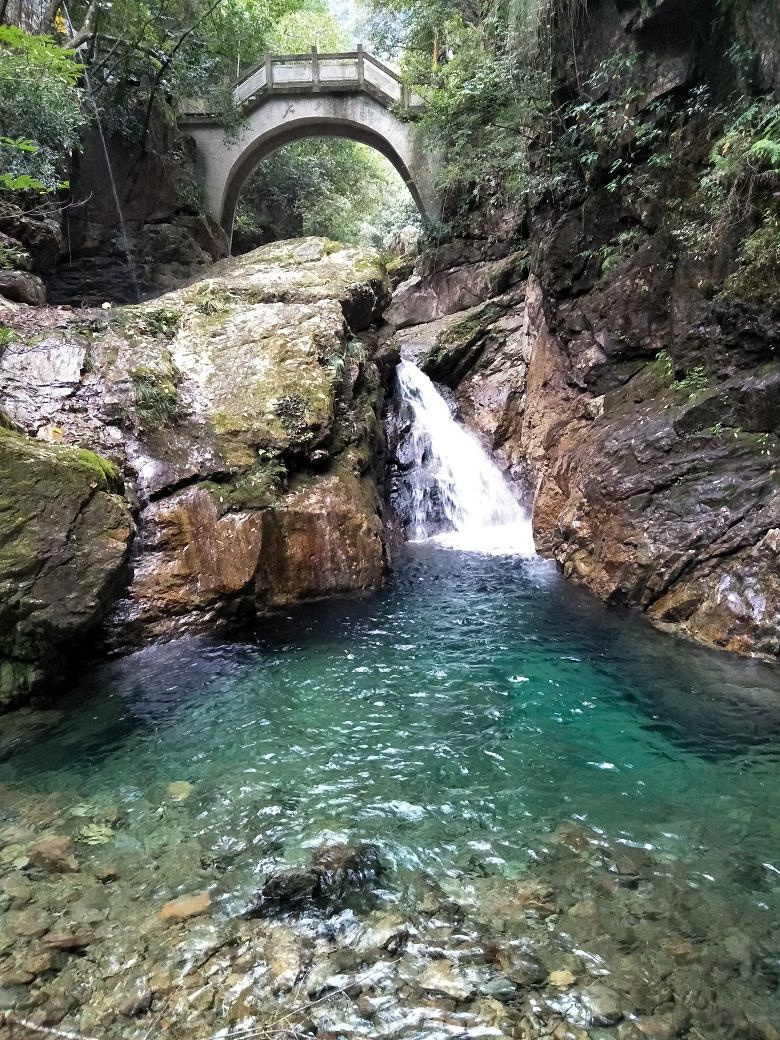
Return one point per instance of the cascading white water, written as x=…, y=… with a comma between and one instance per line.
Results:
x=458, y=497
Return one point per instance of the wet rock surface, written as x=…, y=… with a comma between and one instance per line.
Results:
x=65, y=534
x=652, y=487
x=243, y=413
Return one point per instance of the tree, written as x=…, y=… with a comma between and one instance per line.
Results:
x=41, y=110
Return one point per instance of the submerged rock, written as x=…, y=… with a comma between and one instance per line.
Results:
x=337, y=874
x=54, y=854
x=185, y=907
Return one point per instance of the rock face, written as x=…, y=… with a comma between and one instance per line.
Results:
x=157, y=241
x=641, y=400
x=660, y=496
x=243, y=411
x=64, y=539
x=29, y=243
x=649, y=487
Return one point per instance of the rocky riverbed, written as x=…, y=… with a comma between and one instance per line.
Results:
x=111, y=929
x=474, y=805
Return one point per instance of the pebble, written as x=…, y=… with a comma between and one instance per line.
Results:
x=54, y=853
x=10, y=996
x=561, y=979
x=67, y=940
x=185, y=906
x=30, y=923
x=284, y=956
x=443, y=977
x=41, y=961
x=180, y=790
x=18, y=891
x=602, y=1005
x=136, y=998
x=381, y=967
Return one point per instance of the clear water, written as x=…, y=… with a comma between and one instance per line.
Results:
x=456, y=719
x=472, y=705
x=457, y=495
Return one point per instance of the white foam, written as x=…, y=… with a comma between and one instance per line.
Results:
x=454, y=484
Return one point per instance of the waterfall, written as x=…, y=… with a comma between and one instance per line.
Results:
x=456, y=496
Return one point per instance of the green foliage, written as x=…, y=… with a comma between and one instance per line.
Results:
x=42, y=53
x=485, y=72
x=336, y=188
x=41, y=110
x=156, y=398
x=151, y=53
x=312, y=24
x=162, y=321
x=664, y=365
x=746, y=155
x=614, y=253
x=695, y=382
x=739, y=195
x=757, y=277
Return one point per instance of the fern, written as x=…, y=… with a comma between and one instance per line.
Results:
x=767, y=152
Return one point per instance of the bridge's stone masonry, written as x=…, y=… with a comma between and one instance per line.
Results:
x=290, y=98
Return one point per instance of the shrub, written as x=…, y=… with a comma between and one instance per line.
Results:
x=41, y=110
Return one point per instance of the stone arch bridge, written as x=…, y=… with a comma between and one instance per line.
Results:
x=293, y=96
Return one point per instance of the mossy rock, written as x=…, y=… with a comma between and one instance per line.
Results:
x=64, y=539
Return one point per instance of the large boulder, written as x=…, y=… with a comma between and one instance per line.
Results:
x=64, y=538
x=245, y=410
x=22, y=287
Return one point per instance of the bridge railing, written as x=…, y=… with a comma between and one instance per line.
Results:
x=314, y=72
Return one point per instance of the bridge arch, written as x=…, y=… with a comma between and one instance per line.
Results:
x=299, y=103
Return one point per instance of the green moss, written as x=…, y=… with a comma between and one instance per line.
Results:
x=107, y=470
x=158, y=321
x=20, y=450
x=456, y=339
x=211, y=299
x=293, y=413
x=257, y=488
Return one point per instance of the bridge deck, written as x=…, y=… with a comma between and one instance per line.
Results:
x=313, y=73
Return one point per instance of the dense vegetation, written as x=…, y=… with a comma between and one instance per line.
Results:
x=139, y=58
x=517, y=121
x=41, y=110
x=337, y=188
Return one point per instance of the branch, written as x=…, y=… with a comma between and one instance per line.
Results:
x=88, y=27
